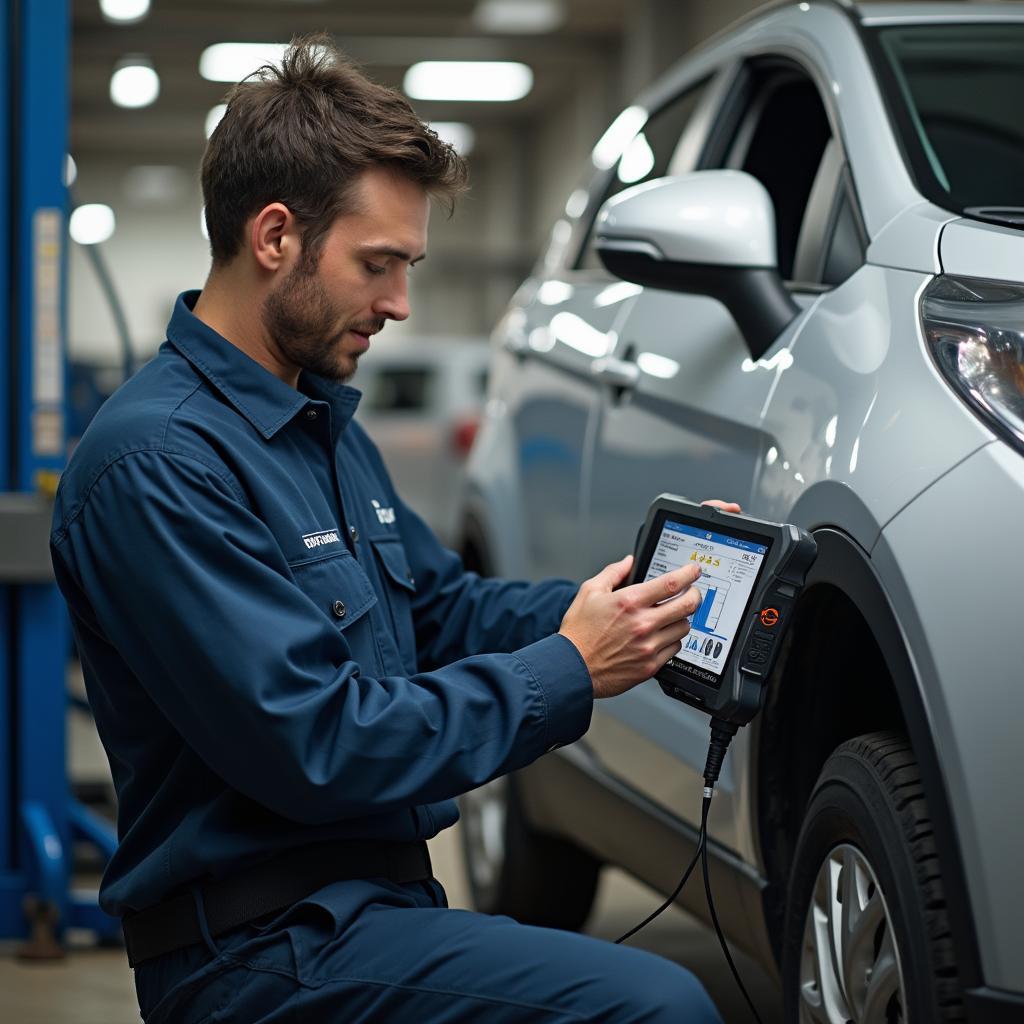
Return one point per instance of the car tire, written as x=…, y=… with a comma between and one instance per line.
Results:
x=513, y=869
x=867, y=936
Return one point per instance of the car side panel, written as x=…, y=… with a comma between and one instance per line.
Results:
x=956, y=550
x=862, y=408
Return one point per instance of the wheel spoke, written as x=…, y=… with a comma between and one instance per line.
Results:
x=884, y=984
x=867, y=913
x=842, y=976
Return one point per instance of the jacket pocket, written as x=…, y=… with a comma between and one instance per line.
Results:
x=400, y=587
x=338, y=586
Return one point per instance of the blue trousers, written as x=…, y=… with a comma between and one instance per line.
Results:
x=375, y=951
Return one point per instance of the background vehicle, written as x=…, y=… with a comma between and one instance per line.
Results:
x=422, y=402
x=820, y=315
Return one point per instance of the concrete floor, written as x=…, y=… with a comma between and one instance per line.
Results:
x=94, y=986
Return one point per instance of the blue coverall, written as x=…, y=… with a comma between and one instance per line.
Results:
x=279, y=652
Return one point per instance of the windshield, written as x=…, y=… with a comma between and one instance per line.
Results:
x=957, y=96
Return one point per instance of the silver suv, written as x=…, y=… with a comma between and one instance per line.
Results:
x=794, y=278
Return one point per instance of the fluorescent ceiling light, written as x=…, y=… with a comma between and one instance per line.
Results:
x=124, y=12
x=134, y=83
x=490, y=81
x=231, y=62
x=457, y=134
x=91, y=223
x=519, y=15
x=213, y=117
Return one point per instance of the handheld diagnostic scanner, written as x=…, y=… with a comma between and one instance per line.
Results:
x=751, y=574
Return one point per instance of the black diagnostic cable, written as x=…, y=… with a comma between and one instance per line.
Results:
x=722, y=733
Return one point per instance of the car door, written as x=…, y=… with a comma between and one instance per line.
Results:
x=681, y=411
x=570, y=316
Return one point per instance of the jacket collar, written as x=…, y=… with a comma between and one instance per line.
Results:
x=263, y=399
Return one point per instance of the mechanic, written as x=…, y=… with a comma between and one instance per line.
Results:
x=291, y=677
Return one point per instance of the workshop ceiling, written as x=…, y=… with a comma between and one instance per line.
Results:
x=385, y=36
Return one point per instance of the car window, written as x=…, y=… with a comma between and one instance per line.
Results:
x=399, y=389
x=780, y=140
x=648, y=155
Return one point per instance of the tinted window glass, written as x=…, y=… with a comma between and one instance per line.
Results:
x=399, y=390
x=787, y=130
x=957, y=91
x=649, y=154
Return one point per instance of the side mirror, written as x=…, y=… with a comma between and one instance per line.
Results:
x=706, y=233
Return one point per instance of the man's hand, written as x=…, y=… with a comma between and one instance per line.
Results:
x=625, y=636
x=725, y=506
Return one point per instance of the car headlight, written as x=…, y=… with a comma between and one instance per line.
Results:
x=975, y=332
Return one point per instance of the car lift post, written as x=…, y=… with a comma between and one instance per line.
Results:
x=39, y=820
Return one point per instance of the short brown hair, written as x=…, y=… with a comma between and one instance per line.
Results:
x=300, y=134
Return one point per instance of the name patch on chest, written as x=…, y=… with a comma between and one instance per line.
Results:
x=320, y=538
x=385, y=516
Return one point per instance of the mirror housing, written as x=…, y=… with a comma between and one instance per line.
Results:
x=705, y=233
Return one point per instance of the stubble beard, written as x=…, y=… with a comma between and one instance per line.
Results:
x=304, y=324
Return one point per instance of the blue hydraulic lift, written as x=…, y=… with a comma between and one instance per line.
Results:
x=39, y=819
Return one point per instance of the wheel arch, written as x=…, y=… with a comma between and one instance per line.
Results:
x=844, y=627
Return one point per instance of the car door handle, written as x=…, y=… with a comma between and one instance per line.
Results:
x=616, y=373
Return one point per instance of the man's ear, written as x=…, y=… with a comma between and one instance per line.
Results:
x=274, y=236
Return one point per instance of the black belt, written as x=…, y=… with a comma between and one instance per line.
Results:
x=265, y=888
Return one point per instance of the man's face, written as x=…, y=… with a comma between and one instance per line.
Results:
x=321, y=319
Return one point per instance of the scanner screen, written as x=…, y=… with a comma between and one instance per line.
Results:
x=730, y=567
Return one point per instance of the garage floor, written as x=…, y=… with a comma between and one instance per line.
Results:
x=94, y=986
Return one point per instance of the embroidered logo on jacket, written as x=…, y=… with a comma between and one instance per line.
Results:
x=320, y=538
x=385, y=516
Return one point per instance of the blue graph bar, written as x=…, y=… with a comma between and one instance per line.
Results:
x=700, y=618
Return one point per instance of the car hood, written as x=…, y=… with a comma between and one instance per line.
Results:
x=970, y=248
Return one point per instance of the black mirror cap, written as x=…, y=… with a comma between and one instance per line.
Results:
x=755, y=296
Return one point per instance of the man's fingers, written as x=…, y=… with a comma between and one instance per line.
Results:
x=661, y=588
x=725, y=506
x=671, y=634
x=681, y=608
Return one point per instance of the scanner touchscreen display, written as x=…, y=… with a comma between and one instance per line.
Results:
x=730, y=567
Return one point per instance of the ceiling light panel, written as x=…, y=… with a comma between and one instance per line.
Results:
x=470, y=81
x=134, y=83
x=91, y=224
x=213, y=117
x=231, y=62
x=519, y=16
x=124, y=12
x=457, y=134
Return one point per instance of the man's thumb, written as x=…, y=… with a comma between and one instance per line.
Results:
x=613, y=575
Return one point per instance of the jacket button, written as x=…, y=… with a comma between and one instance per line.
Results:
x=353, y=533
x=339, y=609
x=311, y=414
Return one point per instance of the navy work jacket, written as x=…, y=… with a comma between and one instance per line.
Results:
x=277, y=650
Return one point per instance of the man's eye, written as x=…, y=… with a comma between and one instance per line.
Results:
x=372, y=268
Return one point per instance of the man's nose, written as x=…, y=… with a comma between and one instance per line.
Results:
x=394, y=304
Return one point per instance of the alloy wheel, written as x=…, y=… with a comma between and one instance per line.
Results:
x=850, y=971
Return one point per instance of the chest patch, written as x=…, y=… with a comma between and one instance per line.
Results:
x=320, y=539
x=385, y=516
